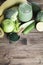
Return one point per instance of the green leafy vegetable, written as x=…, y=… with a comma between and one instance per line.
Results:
x=13, y=36
x=16, y=26
x=12, y=13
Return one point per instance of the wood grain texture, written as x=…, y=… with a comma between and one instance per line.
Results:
x=28, y=50
x=21, y=53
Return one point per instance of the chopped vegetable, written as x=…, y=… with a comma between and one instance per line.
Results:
x=39, y=26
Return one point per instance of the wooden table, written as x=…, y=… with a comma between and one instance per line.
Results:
x=27, y=51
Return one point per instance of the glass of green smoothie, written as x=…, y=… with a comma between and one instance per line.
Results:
x=25, y=12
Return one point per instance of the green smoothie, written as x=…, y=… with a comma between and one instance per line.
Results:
x=25, y=12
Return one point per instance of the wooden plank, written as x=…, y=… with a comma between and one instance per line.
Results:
x=22, y=54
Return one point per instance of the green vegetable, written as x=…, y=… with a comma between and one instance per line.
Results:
x=13, y=36
x=36, y=8
x=1, y=33
x=29, y=28
x=16, y=26
x=12, y=13
x=23, y=26
x=25, y=12
x=8, y=25
x=39, y=26
x=39, y=17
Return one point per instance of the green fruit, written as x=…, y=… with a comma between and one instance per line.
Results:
x=8, y=25
x=29, y=28
x=25, y=12
x=36, y=8
x=1, y=33
x=40, y=16
x=13, y=36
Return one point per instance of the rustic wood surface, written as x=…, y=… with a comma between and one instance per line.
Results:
x=27, y=51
